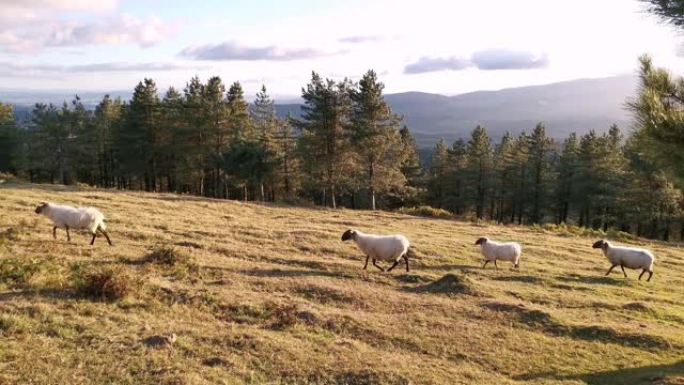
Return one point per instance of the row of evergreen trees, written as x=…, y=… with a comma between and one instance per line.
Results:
x=348, y=145
x=597, y=181
x=346, y=149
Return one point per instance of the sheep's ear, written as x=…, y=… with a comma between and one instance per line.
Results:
x=40, y=207
x=347, y=235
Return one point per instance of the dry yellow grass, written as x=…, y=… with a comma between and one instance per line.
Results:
x=268, y=295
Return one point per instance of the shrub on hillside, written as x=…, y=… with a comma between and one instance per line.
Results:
x=8, y=178
x=18, y=270
x=426, y=211
x=104, y=283
x=167, y=255
x=571, y=230
x=178, y=262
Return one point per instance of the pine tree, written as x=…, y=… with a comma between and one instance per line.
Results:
x=265, y=125
x=438, y=175
x=521, y=175
x=220, y=126
x=660, y=122
x=11, y=138
x=196, y=134
x=568, y=174
x=138, y=145
x=479, y=166
x=238, y=114
x=288, y=162
x=325, y=135
x=410, y=168
x=173, y=162
x=376, y=138
x=539, y=152
x=504, y=169
x=106, y=123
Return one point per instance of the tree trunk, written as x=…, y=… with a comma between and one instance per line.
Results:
x=332, y=197
x=371, y=179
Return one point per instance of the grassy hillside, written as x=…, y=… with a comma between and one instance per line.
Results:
x=262, y=294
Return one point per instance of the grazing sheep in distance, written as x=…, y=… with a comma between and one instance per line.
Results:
x=81, y=218
x=381, y=247
x=630, y=257
x=493, y=251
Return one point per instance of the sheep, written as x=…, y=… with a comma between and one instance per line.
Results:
x=381, y=247
x=493, y=251
x=630, y=257
x=87, y=218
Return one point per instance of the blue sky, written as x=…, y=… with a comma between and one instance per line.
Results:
x=437, y=46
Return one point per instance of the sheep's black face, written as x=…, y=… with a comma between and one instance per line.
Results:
x=598, y=244
x=349, y=234
x=481, y=241
x=40, y=208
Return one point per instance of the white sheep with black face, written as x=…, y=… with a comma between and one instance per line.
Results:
x=78, y=218
x=498, y=251
x=629, y=257
x=381, y=247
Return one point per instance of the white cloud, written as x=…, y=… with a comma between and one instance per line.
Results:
x=492, y=59
x=233, y=51
x=32, y=26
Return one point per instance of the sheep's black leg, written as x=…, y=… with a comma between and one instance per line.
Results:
x=642, y=273
x=366, y=265
x=611, y=269
x=650, y=274
x=376, y=265
x=495, y=266
x=106, y=235
x=67, y=230
x=92, y=241
x=623, y=270
x=393, y=265
x=485, y=264
x=54, y=232
x=406, y=259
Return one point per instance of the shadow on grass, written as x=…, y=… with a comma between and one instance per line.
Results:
x=292, y=273
x=544, y=322
x=449, y=267
x=519, y=278
x=592, y=280
x=655, y=374
x=32, y=294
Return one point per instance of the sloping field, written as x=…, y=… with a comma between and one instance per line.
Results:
x=268, y=295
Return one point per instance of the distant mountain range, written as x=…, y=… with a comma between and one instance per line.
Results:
x=576, y=105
